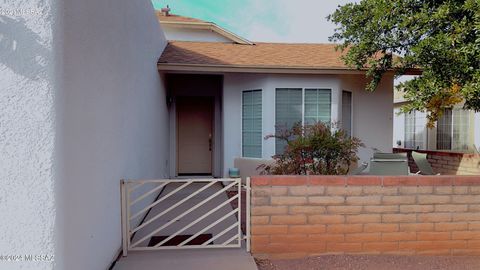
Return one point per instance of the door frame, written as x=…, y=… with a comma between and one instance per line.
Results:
x=211, y=101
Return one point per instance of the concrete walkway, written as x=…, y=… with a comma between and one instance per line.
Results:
x=198, y=259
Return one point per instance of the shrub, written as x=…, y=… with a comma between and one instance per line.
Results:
x=314, y=149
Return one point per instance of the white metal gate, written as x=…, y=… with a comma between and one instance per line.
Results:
x=184, y=213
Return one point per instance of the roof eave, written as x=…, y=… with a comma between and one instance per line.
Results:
x=210, y=26
x=257, y=69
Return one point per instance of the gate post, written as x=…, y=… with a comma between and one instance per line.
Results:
x=247, y=214
x=123, y=194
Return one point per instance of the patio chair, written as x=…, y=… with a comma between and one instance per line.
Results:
x=389, y=167
x=390, y=156
x=422, y=163
x=359, y=169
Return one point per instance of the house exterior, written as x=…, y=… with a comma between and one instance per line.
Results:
x=457, y=130
x=86, y=102
x=253, y=89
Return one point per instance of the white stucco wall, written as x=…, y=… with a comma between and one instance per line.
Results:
x=112, y=123
x=477, y=131
x=27, y=132
x=186, y=34
x=372, y=112
x=398, y=127
x=233, y=85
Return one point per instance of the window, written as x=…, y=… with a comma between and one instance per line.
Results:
x=297, y=105
x=444, y=131
x=453, y=130
x=347, y=112
x=415, y=130
x=461, y=124
x=288, y=111
x=317, y=106
x=252, y=123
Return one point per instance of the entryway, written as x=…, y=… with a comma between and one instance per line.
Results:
x=194, y=135
x=195, y=112
x=184, y=224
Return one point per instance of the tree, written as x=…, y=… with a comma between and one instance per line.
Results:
x=441, y=37
x=314, y=149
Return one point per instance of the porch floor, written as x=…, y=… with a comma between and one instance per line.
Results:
x=198, y=259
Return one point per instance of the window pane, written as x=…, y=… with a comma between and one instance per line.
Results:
x=415, y=130
x=444, y=131
x=288, y=111
x=410, y=130
x=460, y=125
x=347, y=112
x=252, y=123
x=317, y=106
x=420, y=130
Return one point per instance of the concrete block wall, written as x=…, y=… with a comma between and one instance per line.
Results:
x=447, y=163
x=299, y=216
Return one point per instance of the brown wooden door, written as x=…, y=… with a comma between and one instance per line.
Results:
x=194, y=135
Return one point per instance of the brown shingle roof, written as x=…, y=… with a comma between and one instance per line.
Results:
x=271, y=55
x=176, y=18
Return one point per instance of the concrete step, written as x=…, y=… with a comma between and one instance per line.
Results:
x=197, y=259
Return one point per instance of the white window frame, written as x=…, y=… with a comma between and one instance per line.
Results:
x=351, y=110
x=452, y=124
x=241, y=121
x=332, y=91
x=424, y=132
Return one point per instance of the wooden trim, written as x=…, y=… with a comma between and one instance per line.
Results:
x=209, y=26
x=258, y=69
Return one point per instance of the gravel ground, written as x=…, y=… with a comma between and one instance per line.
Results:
x=372, y=262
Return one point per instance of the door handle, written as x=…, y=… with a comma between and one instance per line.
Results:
x=210, y=142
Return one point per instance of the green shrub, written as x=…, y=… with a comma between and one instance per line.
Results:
x=314, y=149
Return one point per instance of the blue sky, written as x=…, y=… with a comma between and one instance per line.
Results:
x=263, y=20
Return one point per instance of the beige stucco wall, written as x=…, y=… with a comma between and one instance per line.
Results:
x=112, y=123
x=372, y=112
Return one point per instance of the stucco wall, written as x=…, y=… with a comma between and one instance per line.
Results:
x=477, y=131
x=195, y=85
x=372, y=112
x=26, y=132
x=398, y=127
x=112, y=123
x=185, y=34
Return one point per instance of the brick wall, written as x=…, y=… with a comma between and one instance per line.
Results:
x=298, y=216
x=447, y=163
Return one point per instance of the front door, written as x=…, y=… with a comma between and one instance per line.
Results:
x=194, y=135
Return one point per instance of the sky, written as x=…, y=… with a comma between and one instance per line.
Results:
x=293, y=21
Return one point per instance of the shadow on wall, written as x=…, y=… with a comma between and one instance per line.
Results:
x=22, y=49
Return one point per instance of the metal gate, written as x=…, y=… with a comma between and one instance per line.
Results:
x=184, y=213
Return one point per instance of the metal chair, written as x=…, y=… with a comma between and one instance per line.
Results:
x=422, y=163
x=359, y=169
x=389, y=164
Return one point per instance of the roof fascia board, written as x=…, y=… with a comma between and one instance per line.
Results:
x=256, y=69
x=210, y=26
